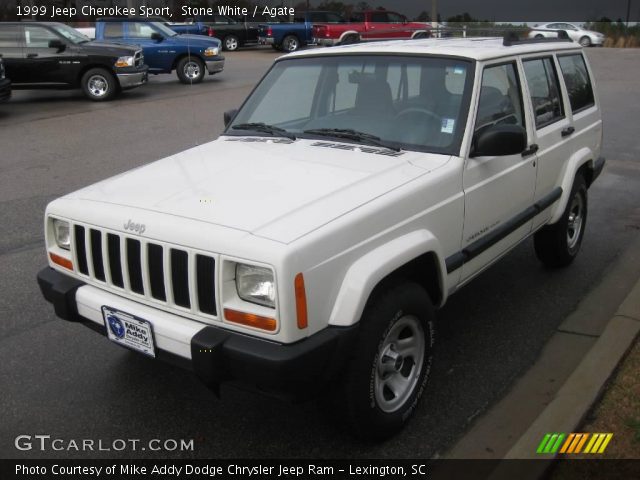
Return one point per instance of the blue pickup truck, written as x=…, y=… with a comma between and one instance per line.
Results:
x=165, y=50
x=291, y=36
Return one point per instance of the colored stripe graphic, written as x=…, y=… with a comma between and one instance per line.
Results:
x=573, y=443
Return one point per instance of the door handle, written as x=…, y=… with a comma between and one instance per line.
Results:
x=531, y=150
x=567, y=131
x=32, y=55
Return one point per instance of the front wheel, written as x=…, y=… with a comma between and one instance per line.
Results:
x=585, y=41
x=290, y=43
x=231, y=43
x=190, y=70
x=99, y=85
x=558, y=245
x=391, y=361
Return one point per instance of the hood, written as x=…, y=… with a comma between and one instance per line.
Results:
x=279, y=191
x=109, y=48
x=196, y=40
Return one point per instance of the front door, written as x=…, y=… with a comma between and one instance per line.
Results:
x=45, y=65
x=498, y=190
x=11, y=49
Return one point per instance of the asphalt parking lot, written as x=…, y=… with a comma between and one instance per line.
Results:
x=65, y=381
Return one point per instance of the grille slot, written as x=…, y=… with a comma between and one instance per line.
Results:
x=81, y=250
x=115, y=260
x=156, y=271
x=205, y=275
x=134, y=264
x=180, y=277
x=177, y=277
x=96, y=254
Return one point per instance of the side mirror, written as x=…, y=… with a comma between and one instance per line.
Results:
x=499, y=140
x=229, y=115
x=157, y=37
x=59, y=45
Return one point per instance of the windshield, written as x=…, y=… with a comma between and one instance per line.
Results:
x=71, y=34
x=409, y=102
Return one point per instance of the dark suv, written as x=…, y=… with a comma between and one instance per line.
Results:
x=5, y=84
x=56, y=56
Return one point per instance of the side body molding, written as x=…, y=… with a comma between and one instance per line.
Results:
x=365, y=273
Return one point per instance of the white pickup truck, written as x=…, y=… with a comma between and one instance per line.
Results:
x=355, y=190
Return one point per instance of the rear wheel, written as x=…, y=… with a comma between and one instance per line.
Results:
x=350, y=40
x=557, y=245
x=99, y=85
x=190, y=70
x=391, y=362
x=231, y=43
x=290, y=43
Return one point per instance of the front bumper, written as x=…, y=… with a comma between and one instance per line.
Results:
x=134, y=79
x=292, y=371
x=5, y=90
x=266, y=40
x=215, y=65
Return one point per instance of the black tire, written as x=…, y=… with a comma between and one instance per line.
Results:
x=231, y=43
x=373, y=411
x=290, y=43
x=585, y=41
x=275, y=47
x=558, y=245
x=539, y=35
x=99, y=84
x=350, y=40
x=190, y=70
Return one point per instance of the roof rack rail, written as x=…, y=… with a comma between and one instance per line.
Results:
x=511, y=38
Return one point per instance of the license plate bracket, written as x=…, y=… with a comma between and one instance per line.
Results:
x=129, y=331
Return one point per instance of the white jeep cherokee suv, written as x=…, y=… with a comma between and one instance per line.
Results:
x=353, y=192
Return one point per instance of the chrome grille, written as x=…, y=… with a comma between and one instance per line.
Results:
x=162, y=273
x=138, y=58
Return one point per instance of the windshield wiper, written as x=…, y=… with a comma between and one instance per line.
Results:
x=350, y=134
x=263, y=127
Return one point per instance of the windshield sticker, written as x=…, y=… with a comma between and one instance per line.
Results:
x=458, y=70
x=447, y=125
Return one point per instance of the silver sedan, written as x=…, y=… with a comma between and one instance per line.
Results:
x=586, y=38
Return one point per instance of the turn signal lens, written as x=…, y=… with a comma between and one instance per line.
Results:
x=250, y=320
x=301, y=301
x=63, y=262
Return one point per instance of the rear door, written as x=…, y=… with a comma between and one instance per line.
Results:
x=11, y=49
x=498, y=189
x=552, y=127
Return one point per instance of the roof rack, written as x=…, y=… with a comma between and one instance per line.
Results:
x=511, y=38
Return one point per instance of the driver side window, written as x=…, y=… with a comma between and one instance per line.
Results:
x=140, y=30
x=500, y=97
x=38, y=37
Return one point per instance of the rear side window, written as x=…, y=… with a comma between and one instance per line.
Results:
x=576, y=78
x=543, y=88
x=113, y=30
x=500, y=97
x=9, y=36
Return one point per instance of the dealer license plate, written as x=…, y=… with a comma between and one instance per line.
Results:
x=129, y=331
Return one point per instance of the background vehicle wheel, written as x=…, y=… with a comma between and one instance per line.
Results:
x=290, y=43
x=275, y=47
x=231, y=43
x=350, y=40
x=539, y=36
x=585, y=41
x=391, y=361
x=190, y=70
x=99, y=84
x=558, y=244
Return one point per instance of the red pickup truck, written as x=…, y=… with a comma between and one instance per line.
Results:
x=369, y=25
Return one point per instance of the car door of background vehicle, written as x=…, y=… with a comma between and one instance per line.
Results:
x=497, y=189
x=44, y=65
x=158, y=54
x=378, y=26
x=552, y=126
x=12, y=51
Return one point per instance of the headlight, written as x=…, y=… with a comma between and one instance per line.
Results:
x=125, y=62
x=256, y=285
x=211, y=52
x=61, y=232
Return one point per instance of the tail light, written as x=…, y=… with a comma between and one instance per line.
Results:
x=269, y=31
x=211, y=32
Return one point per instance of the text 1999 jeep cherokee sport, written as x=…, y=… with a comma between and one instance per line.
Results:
x=353, y=192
